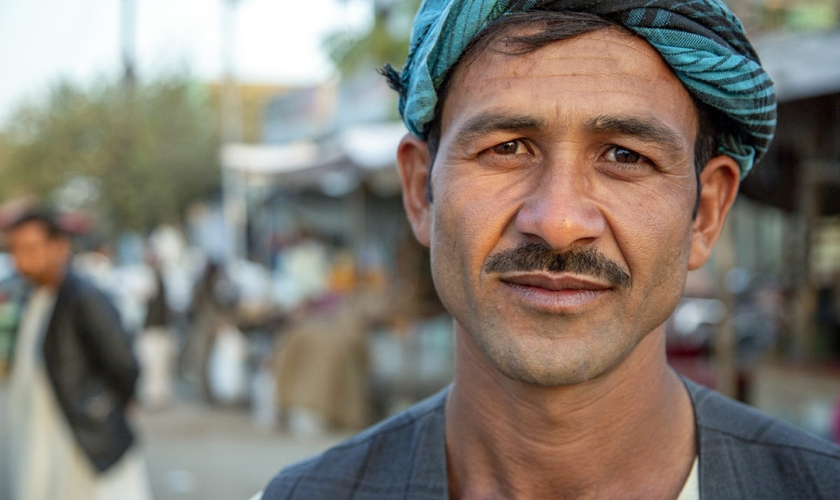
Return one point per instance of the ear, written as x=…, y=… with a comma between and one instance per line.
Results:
x=414, y=163
x=719, y=183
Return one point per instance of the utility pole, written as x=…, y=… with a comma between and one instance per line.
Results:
x=128, y=15
x=233, y=188
x=128, y=121
x=231, y=99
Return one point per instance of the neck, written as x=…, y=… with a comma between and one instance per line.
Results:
x=629, y=433
x=53, y=278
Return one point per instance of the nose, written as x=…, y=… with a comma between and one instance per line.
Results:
x=560, y=211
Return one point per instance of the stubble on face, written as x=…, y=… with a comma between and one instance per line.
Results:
x=631, y=269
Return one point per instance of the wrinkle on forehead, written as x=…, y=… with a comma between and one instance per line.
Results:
x=609, y=55
x=607, y=45
x=505, y=47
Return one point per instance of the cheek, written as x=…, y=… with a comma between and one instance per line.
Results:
x=473, y=211
x=460, y=233
x=469, y=217
x=25, y=257
x=652, y=227
x=654, y=241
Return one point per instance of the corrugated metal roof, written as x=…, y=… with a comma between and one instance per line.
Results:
x=802, y=65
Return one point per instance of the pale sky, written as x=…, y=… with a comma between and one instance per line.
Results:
x=277, y=41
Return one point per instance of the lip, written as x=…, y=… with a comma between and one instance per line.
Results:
x=556, y=293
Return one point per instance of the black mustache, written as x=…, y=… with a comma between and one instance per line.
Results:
x=530, y=256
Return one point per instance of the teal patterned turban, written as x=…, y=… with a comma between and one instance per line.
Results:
x=702, y=41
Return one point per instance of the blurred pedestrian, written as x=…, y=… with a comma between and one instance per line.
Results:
x=214, y=299
x=72, y=378
x=156, y=346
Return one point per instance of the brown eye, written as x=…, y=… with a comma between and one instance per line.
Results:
x=624, y=155
x=506, y=148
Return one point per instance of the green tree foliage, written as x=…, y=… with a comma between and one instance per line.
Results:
x=135, y=155
x=385, y=40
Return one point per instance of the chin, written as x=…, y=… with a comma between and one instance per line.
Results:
x=554, y=362
x=547, y=376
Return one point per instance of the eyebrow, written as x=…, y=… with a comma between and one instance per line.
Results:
x=645, y=129
x=487, y=123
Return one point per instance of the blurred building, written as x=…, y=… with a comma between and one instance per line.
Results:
x=312, y=197
x=254, y=100
x=784, y=231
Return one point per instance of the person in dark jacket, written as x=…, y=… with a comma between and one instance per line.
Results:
x=72, y=379
x=156, y=346
x=568, y=162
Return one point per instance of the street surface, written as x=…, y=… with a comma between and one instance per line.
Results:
x=198, y=452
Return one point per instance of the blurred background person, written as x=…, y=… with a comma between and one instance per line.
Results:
x=72, y=378
x=156, y=344
x=213, y=299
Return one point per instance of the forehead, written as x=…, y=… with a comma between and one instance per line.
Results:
x=602, y=72
x=30, y=232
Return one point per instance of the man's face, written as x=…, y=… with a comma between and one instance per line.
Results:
x=37, y=255
x=583, y=147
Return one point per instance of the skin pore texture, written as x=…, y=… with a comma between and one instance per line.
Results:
x=584, y=148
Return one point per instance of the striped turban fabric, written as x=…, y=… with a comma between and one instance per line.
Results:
x=702, y=41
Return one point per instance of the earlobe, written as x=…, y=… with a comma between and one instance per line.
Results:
x=414, y=163
x=719, y=181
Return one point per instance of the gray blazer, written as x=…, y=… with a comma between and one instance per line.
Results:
x=743, y=454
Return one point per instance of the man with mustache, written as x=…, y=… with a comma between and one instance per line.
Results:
x=568, y=163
